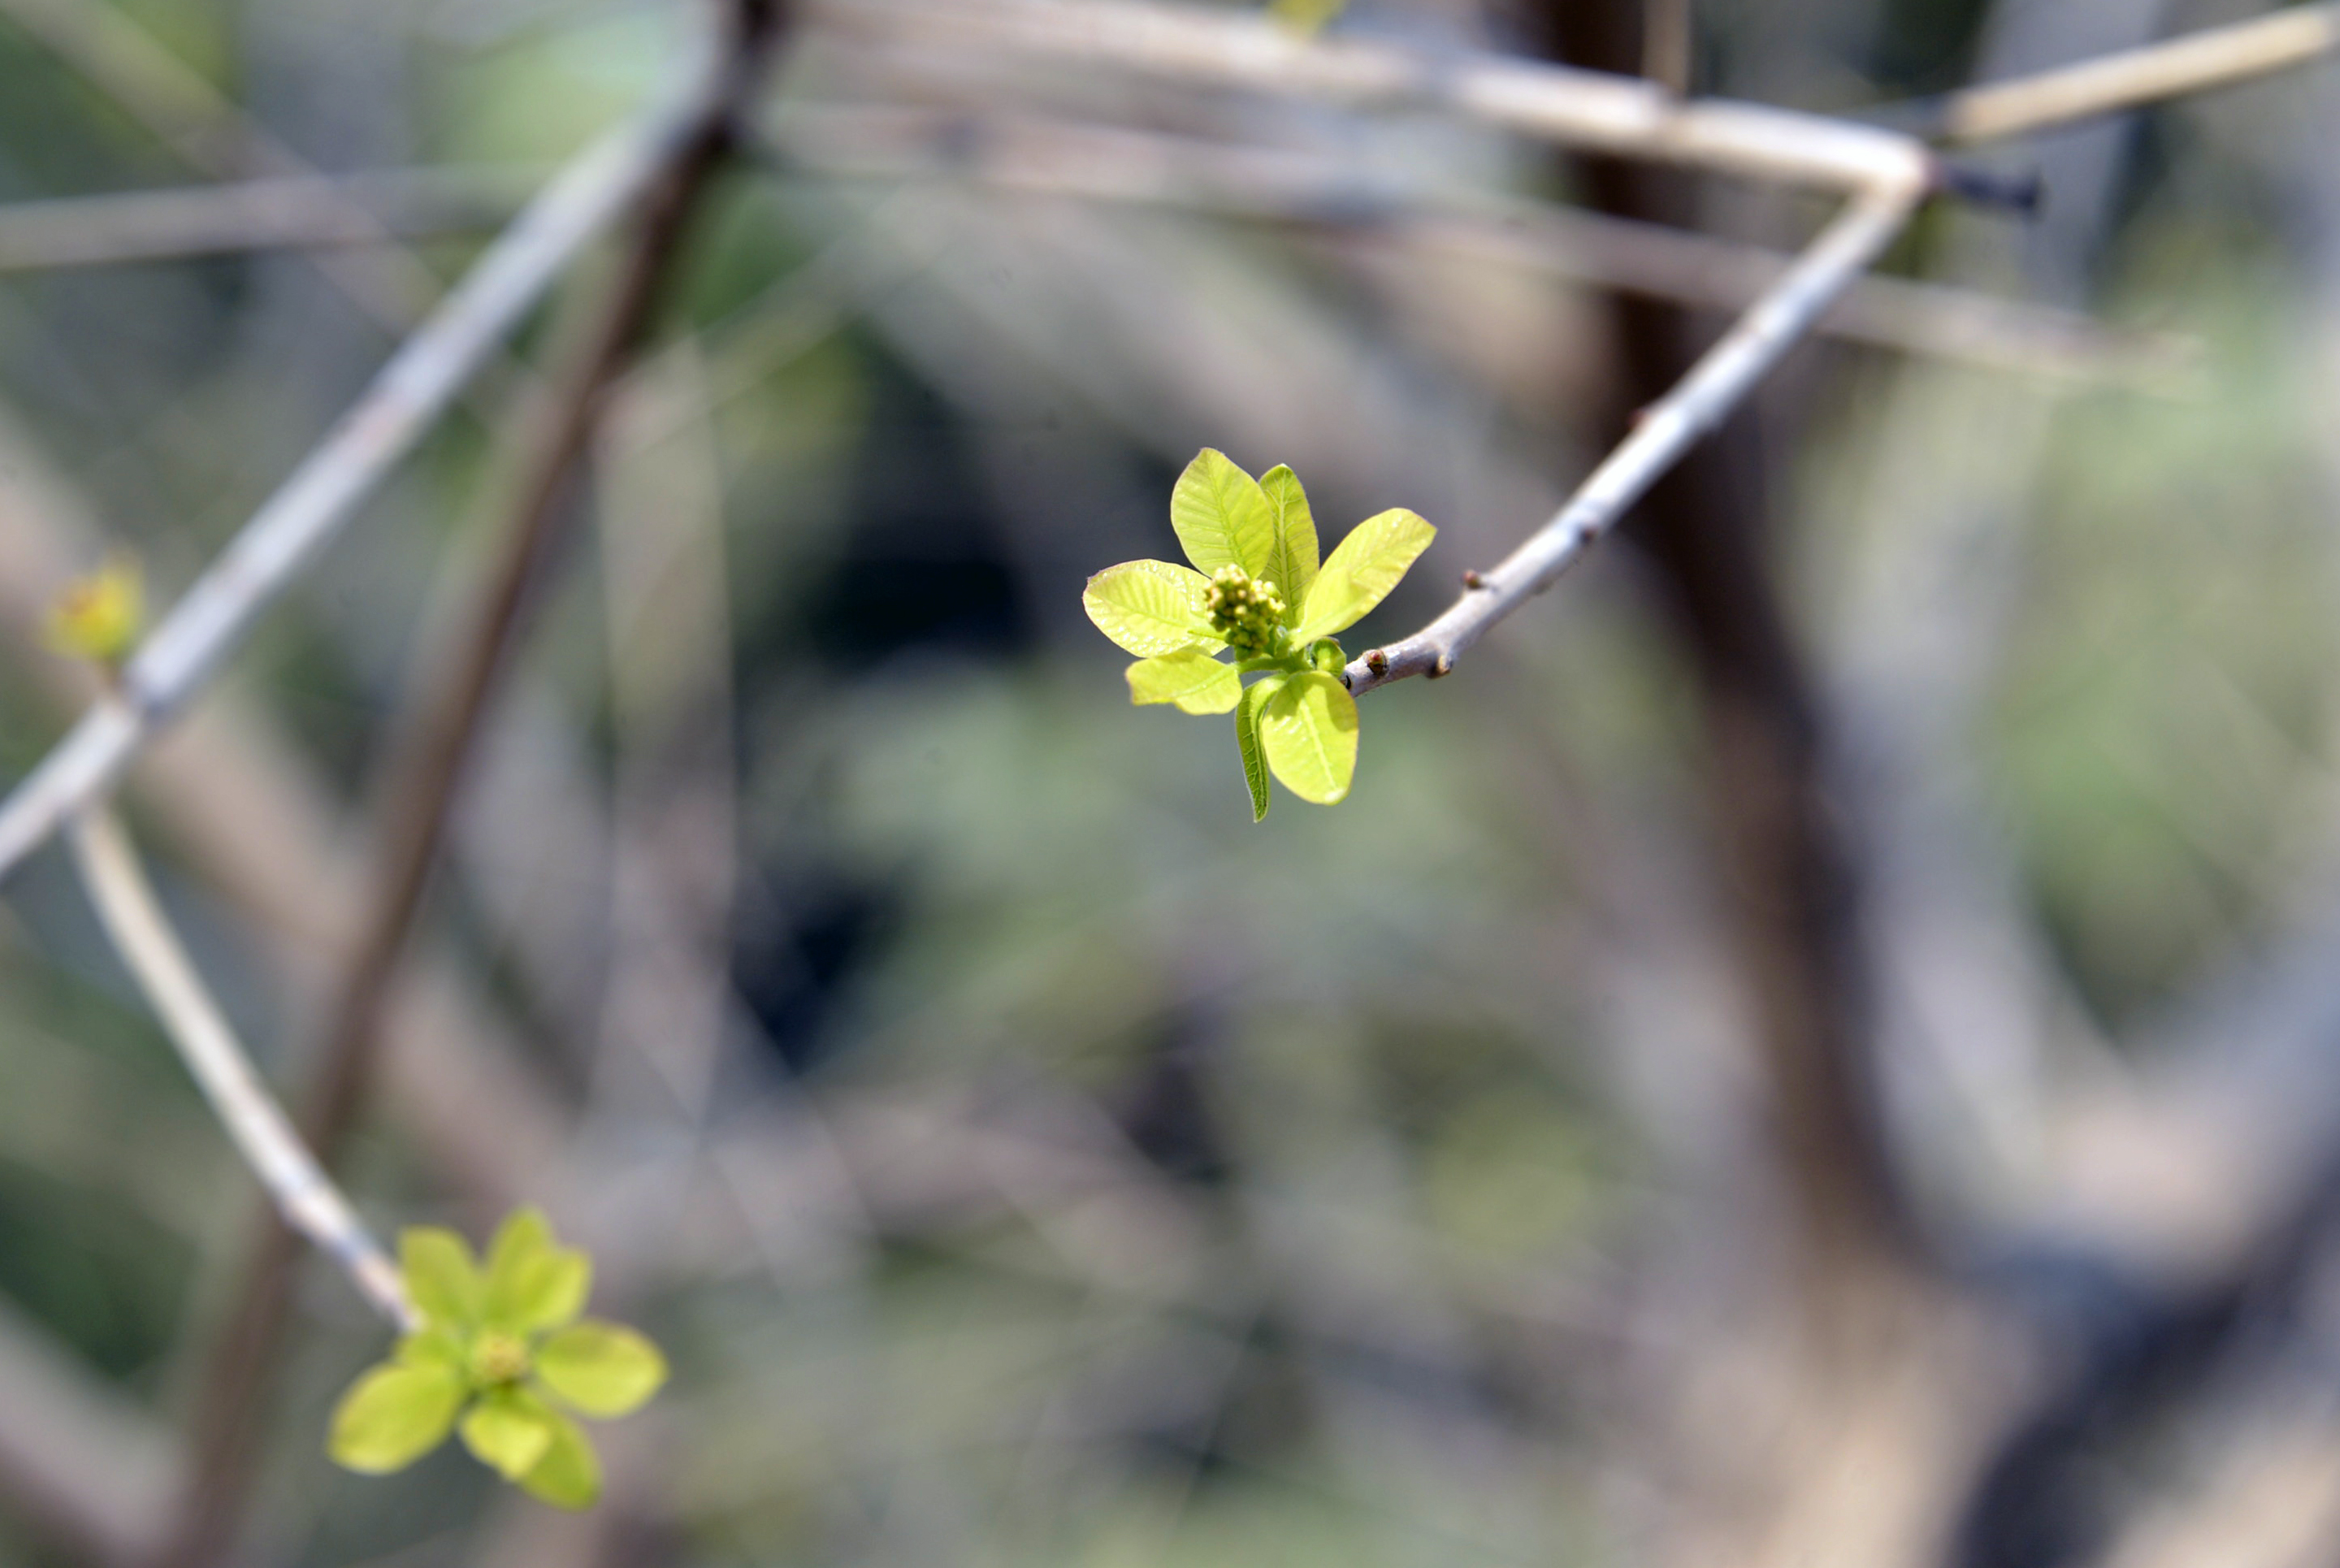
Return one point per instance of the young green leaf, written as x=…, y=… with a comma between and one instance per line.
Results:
x=533, y=1282
x=508, y=1433
x=1222, y=516
x=1255, y=698
x=430, y=1347
x=569, y=1475
x=525, y=1233
x=1361, y=571
x=1150, y=607
x=604, y=1369
x=1291, y=563
x=1309, y=729
x=440, y=1276
x=393, y=1416
x=1190, y=678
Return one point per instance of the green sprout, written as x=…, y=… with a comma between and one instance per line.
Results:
x=99, y=617
x=1306, y=17
x=1268, y=603
x=502, y=1350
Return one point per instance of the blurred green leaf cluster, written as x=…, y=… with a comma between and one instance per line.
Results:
x=499, y=1358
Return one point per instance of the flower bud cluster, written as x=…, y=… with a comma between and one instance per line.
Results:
x=1248, y=614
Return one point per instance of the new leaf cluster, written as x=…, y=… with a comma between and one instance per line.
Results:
x=1269, y=600
x=500, y=1359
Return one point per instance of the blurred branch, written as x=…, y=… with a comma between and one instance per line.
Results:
x=1669, y=41
x=1591, y=110
x=420, y=783
x=262, y=1133
x=2217, y=58
x=296, y=212
x=243, y=806
x=1049, y=157
x=1720, y=379
x=213, y=134
x=325, y=492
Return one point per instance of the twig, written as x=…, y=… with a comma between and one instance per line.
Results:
x=2217, y=58
x=421, y=782
x=1100, y=162
x=261, y=1133
x=1668, y=40
x=236, y=796
x=294, y=211
x=212, y=134
x=325, y=491
x=1591, y=110
x=1713, y=387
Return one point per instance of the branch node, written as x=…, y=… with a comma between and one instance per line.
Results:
x=2022, y=194
x=1377, y=660
x=1474, y=581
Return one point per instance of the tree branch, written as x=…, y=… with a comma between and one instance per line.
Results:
x=291, y=212
x=323, y=494
x=261, y=1133
x=1667, y=428
x=1111, y=163
x=420, y=789
x=2217, y=58
x=1590, y=110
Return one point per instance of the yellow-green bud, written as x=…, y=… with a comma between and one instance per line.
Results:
x=1249, y=614
x=1326, y=655
x=498, y=1358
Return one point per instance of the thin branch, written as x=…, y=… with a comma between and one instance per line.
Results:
x=420, y=782
x=1101, y=163
x=1591, y=110
x=1667, y=44
x=261, y=1133
x=235, y=795
x=341, y=472
x=2217, y=58
x=296, y=212
x=1667, y=428
x=187, y=114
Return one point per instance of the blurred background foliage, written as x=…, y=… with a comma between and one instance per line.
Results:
x=1084, y=1176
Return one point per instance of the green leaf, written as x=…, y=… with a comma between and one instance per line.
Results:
x=508, y=1432
x=570, y=1474
x=1254, y=756
x=1309, y=729
x=1222, y=516
x=431, y=1347
x=1362, y=570
x=393, y=1416
x=603, y=1369
x=440, y=1277
x=1190, y=678
x=1292, y=561
x=1150, y=607
x=533, y=1282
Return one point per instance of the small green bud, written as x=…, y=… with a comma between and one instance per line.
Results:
x=1325, y=654
x=1248, y=613
x=498, y=1358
